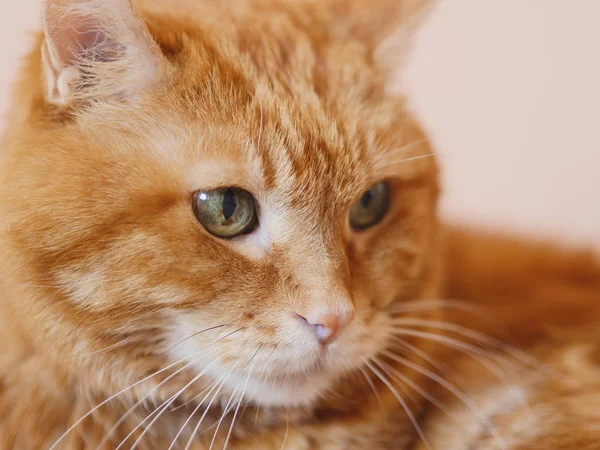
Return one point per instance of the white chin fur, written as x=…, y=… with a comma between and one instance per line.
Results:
x=313, y=371
x=299, y=391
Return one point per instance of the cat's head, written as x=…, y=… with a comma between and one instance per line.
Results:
x=233, y=188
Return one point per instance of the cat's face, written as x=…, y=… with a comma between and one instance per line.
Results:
x=257, y=222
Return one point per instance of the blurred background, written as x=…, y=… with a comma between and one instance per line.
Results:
x=509, y=91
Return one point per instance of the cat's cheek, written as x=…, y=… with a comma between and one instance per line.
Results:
x=364, y=339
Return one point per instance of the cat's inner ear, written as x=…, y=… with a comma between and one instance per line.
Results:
x=96, y=49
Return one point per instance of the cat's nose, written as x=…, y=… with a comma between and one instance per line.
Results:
x=328, y=325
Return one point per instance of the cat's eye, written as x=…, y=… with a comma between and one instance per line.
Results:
x=370, y=208
x=226, y=212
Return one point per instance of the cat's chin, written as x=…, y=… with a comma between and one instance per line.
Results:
x=290, y=391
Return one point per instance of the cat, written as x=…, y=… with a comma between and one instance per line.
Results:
x=220, y=230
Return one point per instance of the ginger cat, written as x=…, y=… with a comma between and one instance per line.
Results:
x=220, y=231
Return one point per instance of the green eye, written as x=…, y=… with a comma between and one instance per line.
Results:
x=370, y=208
x=226, y=212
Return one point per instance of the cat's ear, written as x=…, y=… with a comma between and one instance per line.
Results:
x=95, y=50
x=376, y=20
x=386, y=25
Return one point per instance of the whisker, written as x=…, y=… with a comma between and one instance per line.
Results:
x=370, y=382
x=191, y=400
x=472, y=334
x=262, y=389
x=139, y=402
x=407, y=394
x=493, y=365
x=107, y=349
x=483, y=313
x=94, y=409
x=287, y=428
x=228, y=409
x=402, y=403
x=112, y=397
x=479, y=354
x=241, y=398
x=196, y=409
x=425, y=305
x=225, y=412
x=161, y=409
x=232, y=407
x=414, y=158
x=456, y=392
x=392, y=150
x=197, y=427
x=193, y=335
x=391, y=371
x=440, y=367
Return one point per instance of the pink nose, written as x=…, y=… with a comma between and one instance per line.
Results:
x=327, y=326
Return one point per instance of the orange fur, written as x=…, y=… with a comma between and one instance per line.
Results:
x=110, y=285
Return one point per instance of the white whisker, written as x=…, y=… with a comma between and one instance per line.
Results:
x=241, y=398
x=455, y=391
x=395, y=150
x=94, y=409
x=481, y=356
x=161, y=409
x=402, y=403
x=413, y=158
x=370, y=382
x=225, y=412
x=140, y=401
x=128, y=412
x=287, y=428
x=467, y=332
x=493, y=364
x=391, y=371
x=440, y=367
x=112, y=397
x=264, y=382
x=483, y=313
x=425, y=305
x=197, y=427
x=191, y=400
x=195, y=334
x=196, y=409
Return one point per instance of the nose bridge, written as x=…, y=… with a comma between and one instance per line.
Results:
x=323, y=266
x=320, y=289
x=329, y=293
x=328, y=258
x=324, y=288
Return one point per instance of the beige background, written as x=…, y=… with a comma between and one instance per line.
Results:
x=510, y=91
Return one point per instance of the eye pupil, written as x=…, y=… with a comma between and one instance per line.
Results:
x=365, y=200
x=229, y=204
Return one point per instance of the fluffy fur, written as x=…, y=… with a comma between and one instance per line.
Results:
x=125, y=324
